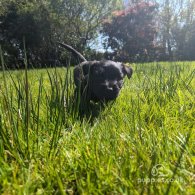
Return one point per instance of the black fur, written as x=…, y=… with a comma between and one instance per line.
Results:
x=99, y=80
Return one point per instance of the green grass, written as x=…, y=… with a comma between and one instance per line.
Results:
x=142, y=143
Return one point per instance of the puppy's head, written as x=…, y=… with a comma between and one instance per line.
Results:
x=106, y=79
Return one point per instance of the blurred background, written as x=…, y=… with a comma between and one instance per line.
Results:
x=128, y=31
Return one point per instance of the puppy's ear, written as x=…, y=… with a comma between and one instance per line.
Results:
x=127, y=70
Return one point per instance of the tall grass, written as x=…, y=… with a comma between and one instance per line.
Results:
x=30, y=107
x=142, y=143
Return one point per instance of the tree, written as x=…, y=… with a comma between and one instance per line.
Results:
x=131, y=32
x=176, y=20
x=183, y=31
x=190, y=44
x=44, y=22
x=83, y=17
x=25, y=22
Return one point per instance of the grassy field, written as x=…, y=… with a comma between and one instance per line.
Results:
x=142, y=143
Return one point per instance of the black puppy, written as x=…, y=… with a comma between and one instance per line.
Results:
x=99, y=80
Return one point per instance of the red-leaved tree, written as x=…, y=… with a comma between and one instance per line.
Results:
x=131, y=32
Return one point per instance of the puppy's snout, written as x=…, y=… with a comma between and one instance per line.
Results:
x=113, y=86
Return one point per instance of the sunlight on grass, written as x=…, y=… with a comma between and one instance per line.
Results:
x=141, y=143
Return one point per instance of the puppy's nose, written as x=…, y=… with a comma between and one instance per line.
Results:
x=109, y=87
x=113, y=87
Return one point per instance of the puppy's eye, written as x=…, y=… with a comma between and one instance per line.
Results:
x=99, y=71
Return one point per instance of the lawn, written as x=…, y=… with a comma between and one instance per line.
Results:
x=142, y=143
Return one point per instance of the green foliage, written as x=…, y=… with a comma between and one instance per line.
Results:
x=141, y=143
x=42, y=23
x=176, y=29
x=29, y=20
x=80, y=20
